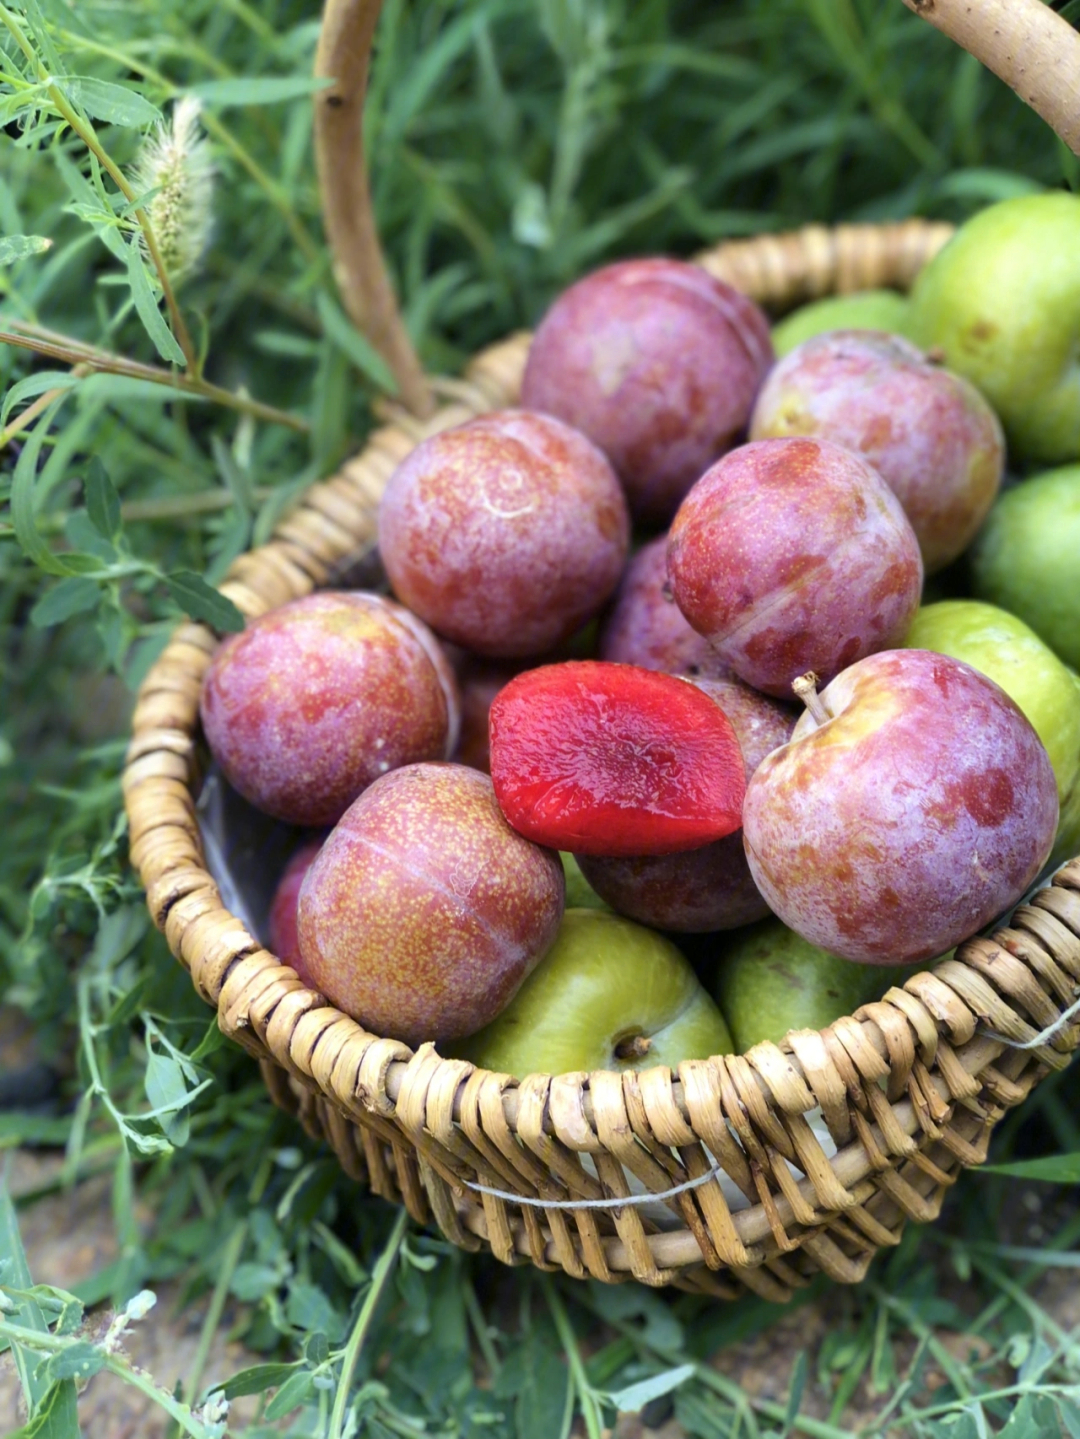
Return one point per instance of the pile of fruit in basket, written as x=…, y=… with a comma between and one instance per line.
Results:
x=661, y=675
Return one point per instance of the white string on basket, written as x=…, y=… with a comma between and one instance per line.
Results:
x=615, y=1202
x=1043, y=1037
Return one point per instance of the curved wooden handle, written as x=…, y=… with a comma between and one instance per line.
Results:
x=344, y=49
x=1027, y=45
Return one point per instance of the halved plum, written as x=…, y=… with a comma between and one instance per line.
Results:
x=612, y=759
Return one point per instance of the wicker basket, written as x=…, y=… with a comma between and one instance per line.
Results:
x=792, y=1159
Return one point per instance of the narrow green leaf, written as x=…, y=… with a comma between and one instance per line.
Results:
x=36, y=384
x=202, y=602
x=57, y=1416
x=17, y=1128
x=102, y=501
x=290, y=1396
x=1054, y=1169
x=121, y=389
x=987, y=185
x=634, y=1397
x=344, y=335
x=73, y=596
x=16, y=1272
x=90, y=206
x=795, y=1394
x=22, y=498
x=17, y=247
x=259, y=90
x=115, y=104
x=1069, y=1413
x=147, y=307
x=256, y=1379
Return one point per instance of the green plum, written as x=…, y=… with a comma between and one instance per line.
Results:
x=861, y=310
x=1067, y=844
x=1006, y=650
x=1001, y=302
x=579, y=892
x=1026, y=557
x=770, y=981
x=609, y=994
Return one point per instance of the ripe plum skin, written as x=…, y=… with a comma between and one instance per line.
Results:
x=645, y=626
x=504, y=534
x=425, y=911
x=314, y=700
x=914, y=816
x=598, y=758
x=281, y=922
x=711, y=888
x=929, y=433
x=479, y=681
x=792, y=555
x=658, y=363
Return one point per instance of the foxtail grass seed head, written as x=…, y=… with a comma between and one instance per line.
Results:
x=175, y=163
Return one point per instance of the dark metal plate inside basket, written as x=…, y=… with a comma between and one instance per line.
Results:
x=246, y=851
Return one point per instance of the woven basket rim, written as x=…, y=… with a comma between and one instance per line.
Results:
x=908, y=1087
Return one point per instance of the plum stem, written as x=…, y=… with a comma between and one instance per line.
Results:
x=806, y=688
x=634, y=1046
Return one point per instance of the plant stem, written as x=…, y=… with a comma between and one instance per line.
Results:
x=590, y=1409
x=480, y=1326
x=806, y=689
x=31, y=413
x=179, y=507
x=73, y=352
x=384, y=1267
x=229, y=1260
x=214, y=126
x=109, y=165
x=56, y=1344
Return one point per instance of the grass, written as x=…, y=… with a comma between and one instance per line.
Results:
x=513, y=144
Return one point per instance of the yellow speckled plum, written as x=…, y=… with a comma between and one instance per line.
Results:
x=425, y=911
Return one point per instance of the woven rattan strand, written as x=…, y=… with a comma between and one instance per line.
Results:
x=908, y=1088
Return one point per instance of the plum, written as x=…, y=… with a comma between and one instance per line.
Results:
x=281, y=923
x=314, y=700
x=770, y=981
x=859, y=310
x=424, y=911
x=599, y=758
x=791, y=555
x=658, y=363
x=505, y=534
x=914, y=804
x=931, y=436
x=709, y=888
x=608, y=995
x=645, y=626
x=479, y=681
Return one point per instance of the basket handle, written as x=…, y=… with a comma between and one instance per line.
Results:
x=342, y=55
x=1024, y=43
